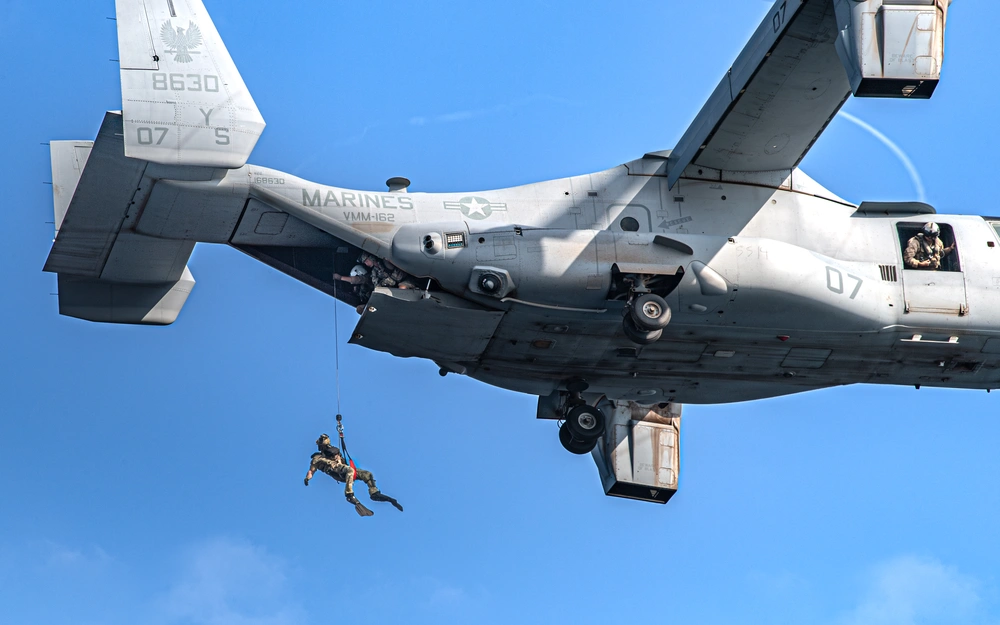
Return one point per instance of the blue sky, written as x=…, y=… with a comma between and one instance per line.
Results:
x=154, y=475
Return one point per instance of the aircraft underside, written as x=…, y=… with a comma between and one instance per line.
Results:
x=714, y=272
x=539, y=352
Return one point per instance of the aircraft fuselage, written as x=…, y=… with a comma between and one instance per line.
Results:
x=810, y=292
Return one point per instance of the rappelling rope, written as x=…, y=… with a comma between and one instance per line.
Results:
x=336, y=350
x=336, y=359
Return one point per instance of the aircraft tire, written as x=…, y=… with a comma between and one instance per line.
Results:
x=650, y=312
x=573, y=445
x=636, y=335
x=585, y=423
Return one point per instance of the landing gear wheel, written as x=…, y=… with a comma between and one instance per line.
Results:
x=585, y=422
x=650, y=312
x=573, y=445
x=641, y=337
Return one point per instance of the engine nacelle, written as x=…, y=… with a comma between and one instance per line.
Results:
x=892, y=48
x=639, y=455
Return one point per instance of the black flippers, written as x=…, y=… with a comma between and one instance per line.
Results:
x=378, y=496
x=360, y=507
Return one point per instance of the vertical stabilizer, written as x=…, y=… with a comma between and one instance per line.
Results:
x=68, y=160
x=183, y=100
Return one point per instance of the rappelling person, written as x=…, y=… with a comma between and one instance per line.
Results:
x=329, y=460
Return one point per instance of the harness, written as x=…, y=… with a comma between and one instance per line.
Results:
x=928, y=249
x=343, y=446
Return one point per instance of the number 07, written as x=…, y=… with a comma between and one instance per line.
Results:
x=835, y=281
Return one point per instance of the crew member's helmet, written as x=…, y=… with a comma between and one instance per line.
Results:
x=359, y=270
x=323, y=440
x=931, y=229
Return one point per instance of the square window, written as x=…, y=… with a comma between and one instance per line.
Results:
x=908, y=231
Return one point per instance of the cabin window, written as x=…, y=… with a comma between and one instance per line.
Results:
x=909, y=230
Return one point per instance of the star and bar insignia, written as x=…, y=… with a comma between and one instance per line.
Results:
x=475, y=207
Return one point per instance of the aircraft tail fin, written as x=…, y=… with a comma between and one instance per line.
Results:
x=68, y=160
x=183, y=100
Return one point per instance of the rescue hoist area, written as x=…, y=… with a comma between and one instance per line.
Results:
x=636, y=447
x=337, y=462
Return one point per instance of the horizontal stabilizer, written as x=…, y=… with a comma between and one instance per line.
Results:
x=100, y=200
x=183, y=100
x=118, y=302
x=107, y=271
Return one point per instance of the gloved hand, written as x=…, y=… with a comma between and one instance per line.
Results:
x=306, y=481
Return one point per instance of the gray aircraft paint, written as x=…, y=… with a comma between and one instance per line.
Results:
x=780, y=286
x=771, y=253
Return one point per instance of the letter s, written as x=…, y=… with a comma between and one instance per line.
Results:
x=222, y=136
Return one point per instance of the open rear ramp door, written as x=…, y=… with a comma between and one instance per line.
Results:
x=441, y=327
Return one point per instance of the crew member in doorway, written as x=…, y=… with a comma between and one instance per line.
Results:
x=330, y=461
x=372, y=272
x=384, y=273
x=925, y=250
x=360, y=282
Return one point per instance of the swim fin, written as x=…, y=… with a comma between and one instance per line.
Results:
x=360, y=507
x=379, y=496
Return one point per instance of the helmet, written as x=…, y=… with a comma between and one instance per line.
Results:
x=931, y=229
x=359, y=270
x=323, y=439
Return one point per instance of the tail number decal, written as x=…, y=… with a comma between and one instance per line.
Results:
x=185, y=82
x=151, y=136
x=155, y=136
x=778, y=19
x=835, y=282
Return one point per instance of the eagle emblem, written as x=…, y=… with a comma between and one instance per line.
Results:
x=179, y=42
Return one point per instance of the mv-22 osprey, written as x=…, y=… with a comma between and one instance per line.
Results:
x=713, y=272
